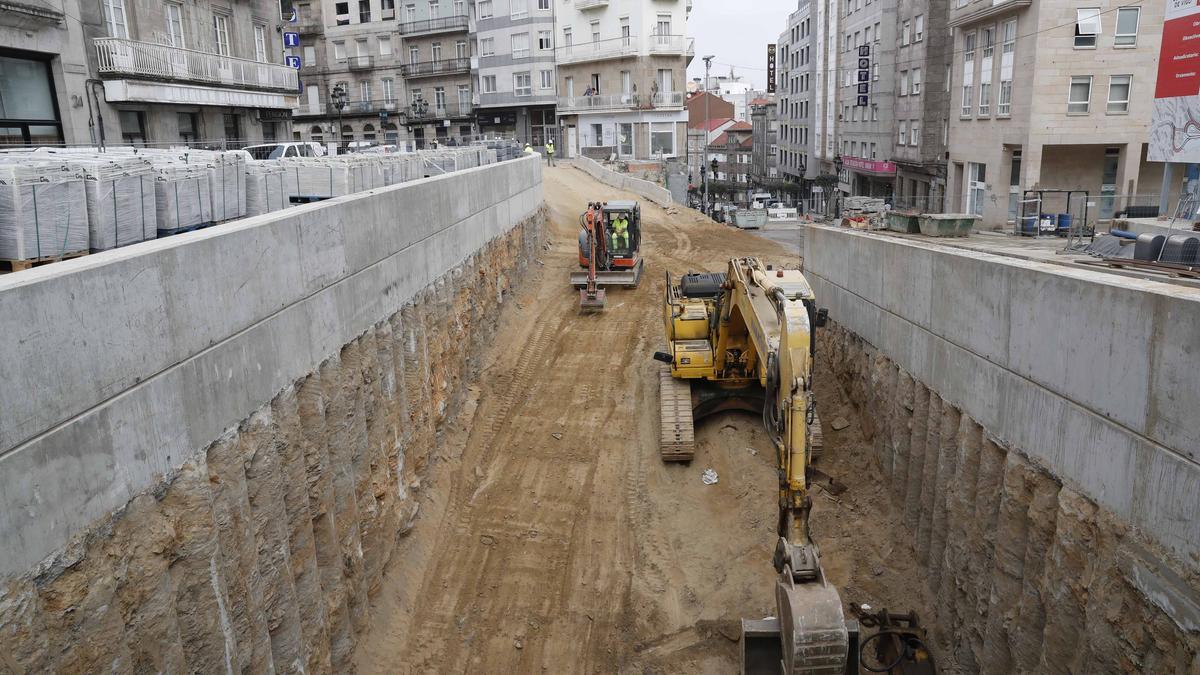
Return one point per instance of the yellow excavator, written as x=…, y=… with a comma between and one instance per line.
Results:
x=744, y=340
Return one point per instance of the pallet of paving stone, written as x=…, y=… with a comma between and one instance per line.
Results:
x=120, y=197
x=43, y=211
x=7, y=266
x=265, y=187
x=183, y=198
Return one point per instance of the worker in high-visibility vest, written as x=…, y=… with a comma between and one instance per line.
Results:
x=529, y=149
x=550, y=153
x=620, y=232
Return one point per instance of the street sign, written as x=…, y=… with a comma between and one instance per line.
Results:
x=771, y=69
x=291, y=39
x=292, y=62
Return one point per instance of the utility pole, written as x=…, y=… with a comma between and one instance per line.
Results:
x=707, y=96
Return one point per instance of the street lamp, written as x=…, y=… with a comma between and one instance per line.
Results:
x=707, y=96
x=340, y=99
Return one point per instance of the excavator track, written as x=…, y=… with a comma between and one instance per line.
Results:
x=678, y=440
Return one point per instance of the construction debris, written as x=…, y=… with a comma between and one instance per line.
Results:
x=709, y=477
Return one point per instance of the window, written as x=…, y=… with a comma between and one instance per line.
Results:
x=260, y=44
x=967, y=100
x=410, y=12
x=595, y=26
x=916, y=81
x=133, y=126
x=872, y=151
x=483, y=9
x=360, y=47
x=388, y=8
x=874, y=112
x=904, y=33
x=342, y=10
x=187, y=126
x=364, y=91
x=439, y=99
x=1087, y=27
x=460, y=49
x=436, y=51
x=416, y=96
x=903, y=137
x=435, y=8
x=985, y=99
x=1127, y=26
x=114, y=17
x=522, y=84
x=1004, y=105
x=518, y=9
x=544, y=5
x=364, y=11
x=487, y=46
x=662, y=138
x=567, y=37
x=666, y=80
x=547, y=79
x=520, y=46
x=878, y=36
x=414, y=55
x=460, y=8
x=545, y=39
x=570, y=84
x=914, y=134
x=174, y=25
x=904, y=83
x=875, y=71
x=389, y=92
x=489, y=84
x=919, y=28
x=464, y=98
x=221, y=33
x=385, y=45
x=339, y=51
x=310, y=55
x=1118, y=94
x=1080, y=95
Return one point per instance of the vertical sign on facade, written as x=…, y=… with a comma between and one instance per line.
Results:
x=864, y=76
x=1175, y=124
x=771, y=69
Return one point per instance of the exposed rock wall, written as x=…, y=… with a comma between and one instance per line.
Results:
x=261, y=553
x=1029, y=575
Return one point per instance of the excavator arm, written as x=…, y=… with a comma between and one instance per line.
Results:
x=777, y=310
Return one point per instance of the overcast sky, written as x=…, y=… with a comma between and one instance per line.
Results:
x=737, y=33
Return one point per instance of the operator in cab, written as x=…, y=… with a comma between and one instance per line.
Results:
x=620, y=232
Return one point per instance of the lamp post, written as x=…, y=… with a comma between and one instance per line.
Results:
x=339, y=98
x=707, y=96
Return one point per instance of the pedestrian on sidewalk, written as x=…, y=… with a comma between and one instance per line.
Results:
x=550, y=152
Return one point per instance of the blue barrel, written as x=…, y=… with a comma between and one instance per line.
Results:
x=1029, y=225
x=1064, y=222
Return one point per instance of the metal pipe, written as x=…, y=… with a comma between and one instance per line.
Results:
x=704, y=167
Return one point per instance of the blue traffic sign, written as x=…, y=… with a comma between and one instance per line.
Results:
x=291, y=39
x=292, y=62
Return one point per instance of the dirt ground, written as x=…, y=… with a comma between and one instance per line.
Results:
x=553, y=539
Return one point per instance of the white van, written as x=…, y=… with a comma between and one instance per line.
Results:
x=281, y=150
x=759, y=200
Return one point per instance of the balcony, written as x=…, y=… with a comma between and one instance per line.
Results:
x=590, y=4
x=352, y=108
x=670, y=100
x=151, y=73
x=600, y=50
x=308, y=25
x=673, y=45
x=435, y=68
x=364, y=62
x=424, y=111
x=444, y=24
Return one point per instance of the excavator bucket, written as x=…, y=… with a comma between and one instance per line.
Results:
x=591, y=302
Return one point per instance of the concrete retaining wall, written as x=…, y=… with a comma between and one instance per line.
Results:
x=1036, y=429
x=655, y=193
x=120, y=367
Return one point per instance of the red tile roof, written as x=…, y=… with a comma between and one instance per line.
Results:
x=723, y=139
x=741, y=126
x=760, y=101
x=713, y=124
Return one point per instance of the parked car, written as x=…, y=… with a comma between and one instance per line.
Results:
x=281, y=150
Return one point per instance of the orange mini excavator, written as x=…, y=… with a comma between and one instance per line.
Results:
x=608, y=257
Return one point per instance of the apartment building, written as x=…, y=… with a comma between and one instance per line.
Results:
x=437, y=69
x=516, y=84
x=353, y=89
x=44, y=68
x=796, y=88
x=621, y=76
x=922, y=103
x=867, y=95
x=708, y=117
x=143, y=73
x=733, y=152
x=1051, y=95
x=764, y=169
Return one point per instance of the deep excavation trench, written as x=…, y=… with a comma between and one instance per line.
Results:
x=474, y=485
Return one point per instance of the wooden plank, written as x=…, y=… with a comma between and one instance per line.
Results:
x=20, y=265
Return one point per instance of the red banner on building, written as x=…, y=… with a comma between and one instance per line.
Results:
x=1175, y=124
